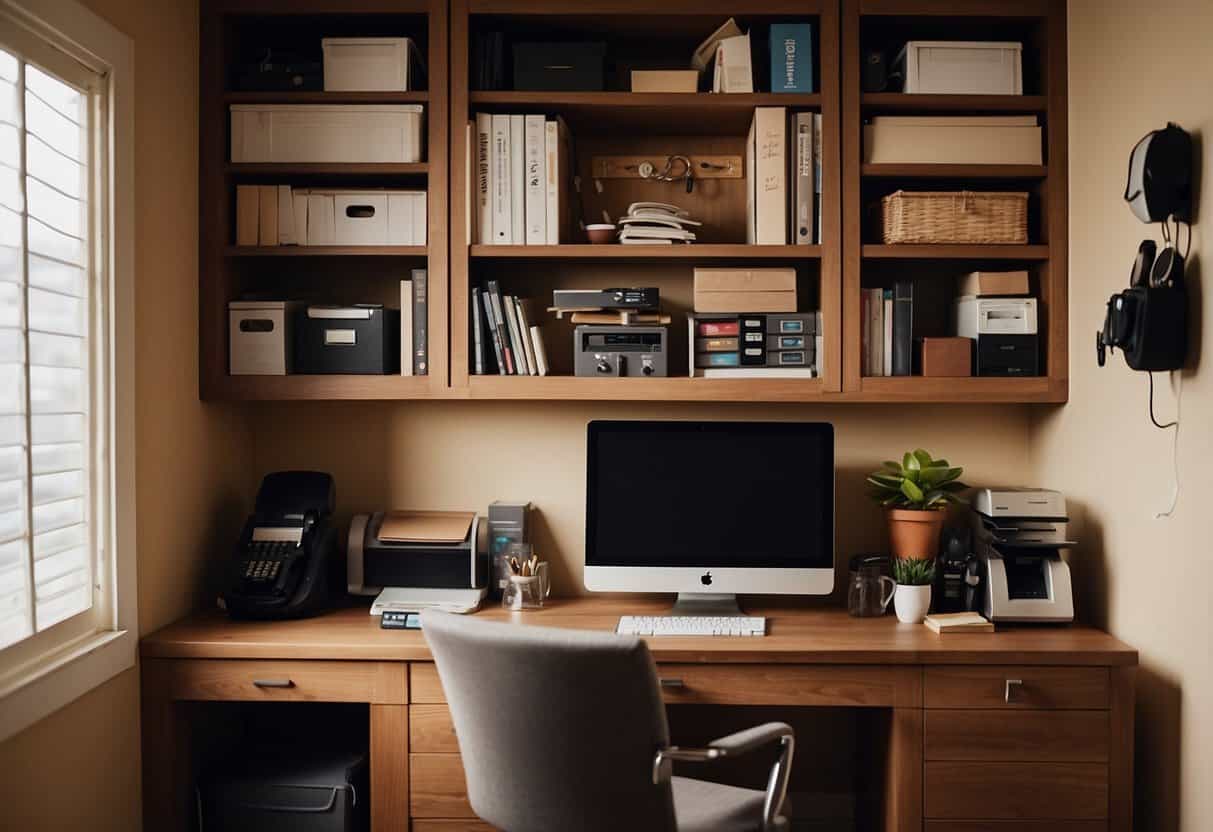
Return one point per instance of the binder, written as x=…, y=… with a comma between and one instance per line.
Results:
x=806, y=187
x=770, y=176
x=499, y=181
x=536, y=180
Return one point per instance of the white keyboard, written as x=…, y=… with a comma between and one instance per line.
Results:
x=691, y=625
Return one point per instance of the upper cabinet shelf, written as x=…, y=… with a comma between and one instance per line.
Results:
x=896, y=102
x=319, y=97
x=692, y=252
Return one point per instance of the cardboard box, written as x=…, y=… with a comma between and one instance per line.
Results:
x=369, y=64
x=957, y=140
x=247, y=214
x=962, y=67
x=267, y=215
x=364, y=218
x=260, y=337
x=946, y=357
x=665, y=80
x=994, y=284
x=745, y=290
x=340, y=133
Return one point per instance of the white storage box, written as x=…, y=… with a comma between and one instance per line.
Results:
x=326, y=133
x=370, y=64
x=365, y=218
x=259, y=337
x=962, y=67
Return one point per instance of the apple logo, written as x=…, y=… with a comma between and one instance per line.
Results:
x=706, y=579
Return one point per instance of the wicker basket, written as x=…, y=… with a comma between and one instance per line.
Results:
x=954, y=217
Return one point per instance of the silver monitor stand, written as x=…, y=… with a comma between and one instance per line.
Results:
x=722, y=605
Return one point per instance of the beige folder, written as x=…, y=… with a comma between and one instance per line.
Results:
x=426, y=526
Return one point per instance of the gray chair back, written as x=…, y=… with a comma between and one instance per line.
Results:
x=557, y=728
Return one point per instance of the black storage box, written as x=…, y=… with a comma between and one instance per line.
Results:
x=286, y=792
x=563, y=67
x=363, y=339
x=1007, y=355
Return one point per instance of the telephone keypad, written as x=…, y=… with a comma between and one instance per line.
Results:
x=264, y=559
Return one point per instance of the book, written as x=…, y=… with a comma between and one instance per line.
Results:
x=734, y=69
x=499, y=180
x=541, y=355
x=299, y=214
x=420, y=311
x=267, y=215
x=247, y=214
x=817, y=238
x=478, y=362
x=791, y=57
x=484, y=179
x=471, y=197
x=490, y=327
x=768, y=152
x=500, y=327
x=875, y=346
x=536, y=180
x=524, y=332
x=903, y=328
x=517, y=352
x=805, y=173
x=518, y=179
x=705, y=53
x=406, y=327
x=552, y=181
x=886, y=335
x=286, y=217
x=958, y=622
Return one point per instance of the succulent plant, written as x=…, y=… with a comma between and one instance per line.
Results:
x=914, y=571
x=918, y=482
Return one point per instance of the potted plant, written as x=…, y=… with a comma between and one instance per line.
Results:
x=916, y=491
x=914, y=577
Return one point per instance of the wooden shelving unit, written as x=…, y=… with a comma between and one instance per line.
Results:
x=229, y=28
x=619, y=122
x=1041, y=26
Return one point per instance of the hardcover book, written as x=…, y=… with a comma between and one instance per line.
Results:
x=791, y=57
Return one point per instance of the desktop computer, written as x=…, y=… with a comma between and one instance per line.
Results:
x=709, y=510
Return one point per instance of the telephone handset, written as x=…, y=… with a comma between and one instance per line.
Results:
x=285, y=557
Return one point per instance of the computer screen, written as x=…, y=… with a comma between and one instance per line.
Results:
x=710, y=494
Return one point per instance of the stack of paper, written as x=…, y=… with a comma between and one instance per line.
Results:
x=958, y=622
x=655, y=223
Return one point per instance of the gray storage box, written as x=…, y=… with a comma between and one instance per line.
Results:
x=286, y=792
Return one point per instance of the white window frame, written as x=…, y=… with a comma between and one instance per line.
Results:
x=65, y=671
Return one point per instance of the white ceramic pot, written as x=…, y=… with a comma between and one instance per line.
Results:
x=912, y=603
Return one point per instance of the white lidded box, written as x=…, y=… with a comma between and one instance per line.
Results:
x=259, y=337
x=370, y=64
x=342, y=133
x=365, y=218
x=945, y=67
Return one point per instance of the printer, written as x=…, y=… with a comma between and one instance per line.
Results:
x=1018, y=573
x=411, y=560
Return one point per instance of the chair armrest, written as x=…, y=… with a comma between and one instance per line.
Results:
x=746, y=741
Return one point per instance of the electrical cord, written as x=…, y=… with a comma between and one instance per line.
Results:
x=1174, y=445
x=1158, y=425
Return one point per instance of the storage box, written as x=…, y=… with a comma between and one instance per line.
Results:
x=993, y=284
x=364, y=218
x=946, y=357
x=745, y=290
x=565, y=67
x=341, y=133
x=286, y=792
x=665, y=80
x=259, y=337
x=954, y=217
x=955, y=140
x=347, y=339
x=370, y=64
x=961, y=67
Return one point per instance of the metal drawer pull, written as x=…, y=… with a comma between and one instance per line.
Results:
x=1010, y=683
x=273, y=683
x=671, y=683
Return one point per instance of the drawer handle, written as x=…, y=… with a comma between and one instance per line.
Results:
x=1011, y=685
x=672, y=683
x=273, y=683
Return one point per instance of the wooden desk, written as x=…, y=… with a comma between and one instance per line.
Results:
x=967, y=751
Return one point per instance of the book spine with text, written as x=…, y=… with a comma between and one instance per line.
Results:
x=477, y=334
x=903, y=328
x=499, y=179
x=406, y=327
x=517, y=349
x=499, y=326
x=420, y=322
x=887, y=334
x=536, y=181
x=518, y=179
x=817, y=176
x=771, y=176
x=494, y=338
x=484, y=179
x=805, y=189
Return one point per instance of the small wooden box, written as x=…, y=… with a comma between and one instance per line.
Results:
x=665, y=80
x=946, y=357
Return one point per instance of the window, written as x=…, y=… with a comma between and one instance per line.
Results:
x=66, y=493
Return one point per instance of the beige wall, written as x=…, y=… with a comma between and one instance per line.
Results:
x=79, y=768
x=463, y=455
x=1132, y=69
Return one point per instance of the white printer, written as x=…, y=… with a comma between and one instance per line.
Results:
x=1020, y=574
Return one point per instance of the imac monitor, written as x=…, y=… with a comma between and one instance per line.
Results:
x=710, y=508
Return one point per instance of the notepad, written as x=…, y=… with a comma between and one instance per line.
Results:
x=958, y=622
x=426, y=526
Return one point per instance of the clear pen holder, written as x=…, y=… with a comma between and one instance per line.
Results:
x=527, y=592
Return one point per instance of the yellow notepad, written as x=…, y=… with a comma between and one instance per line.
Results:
x=958, y=622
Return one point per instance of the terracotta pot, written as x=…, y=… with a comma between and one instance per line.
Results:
x=912, y=603
x=914, y=534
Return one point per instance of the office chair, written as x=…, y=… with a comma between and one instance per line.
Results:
x=565, y=730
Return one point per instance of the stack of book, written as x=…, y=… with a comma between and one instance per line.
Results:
x=655, y=223
x=506, y=338
x=887, y=330
x=759, y=345
x=521, y=178
x=783, y=157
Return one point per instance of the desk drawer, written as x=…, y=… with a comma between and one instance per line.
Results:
x=1008, y=826
x=1009, y=736
x=263, y=680
x=431, y=730
x=773, y=684
x=1015, y=791
x=437, y=787
x=1016, y=687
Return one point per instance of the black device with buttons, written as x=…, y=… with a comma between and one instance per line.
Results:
x=285, y=564
x=620, y=351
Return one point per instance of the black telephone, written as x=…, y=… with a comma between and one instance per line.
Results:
x=286, y=556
